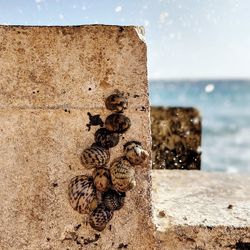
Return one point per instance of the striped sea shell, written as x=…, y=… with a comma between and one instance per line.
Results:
x=95, y=156
x=116, y=102
x=100, y=217
x=82, y=194
x=135, y=153
x=113, y=200
x=117, y=123
x=105, y=138
x=102, y=179
x=122, y=175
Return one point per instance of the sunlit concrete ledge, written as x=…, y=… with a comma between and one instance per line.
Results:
x=201, y=210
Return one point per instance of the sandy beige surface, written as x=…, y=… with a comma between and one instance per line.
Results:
x=50, y=78
x=200, y=210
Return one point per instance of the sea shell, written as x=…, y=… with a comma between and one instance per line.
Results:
x=135, y=153
x=122, y=175
x=105, y=138
x=102, y=179
x=100, y=217
x=82, y=194
x=113, y=200
x=118, y=123
x=116, y=102
x=95, y=156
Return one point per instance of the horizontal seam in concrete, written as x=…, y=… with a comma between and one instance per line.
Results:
x=57, y=107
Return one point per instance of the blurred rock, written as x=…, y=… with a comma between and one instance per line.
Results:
x=176, y=138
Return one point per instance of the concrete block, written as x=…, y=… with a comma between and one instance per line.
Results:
x=199, y=210
x=176, y=138
x=51, y=77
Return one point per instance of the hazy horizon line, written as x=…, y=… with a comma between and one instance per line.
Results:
x=201, y=79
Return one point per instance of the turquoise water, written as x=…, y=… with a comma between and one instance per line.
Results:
x=225, y=109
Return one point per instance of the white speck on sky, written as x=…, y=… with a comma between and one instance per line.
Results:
x=146, y=23
x=172, y=35
x=118, y=9
x=209, y=88
x=163, y=16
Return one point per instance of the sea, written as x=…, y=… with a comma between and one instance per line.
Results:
x=225, y=109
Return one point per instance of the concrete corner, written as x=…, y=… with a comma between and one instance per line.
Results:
x=50, y=78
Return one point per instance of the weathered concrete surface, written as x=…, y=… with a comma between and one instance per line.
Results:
x=50, y=78
x=199, y=210
x=176, y=138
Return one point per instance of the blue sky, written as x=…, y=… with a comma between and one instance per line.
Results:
x=186, y=38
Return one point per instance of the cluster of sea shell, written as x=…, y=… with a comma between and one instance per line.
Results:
x=102, y=193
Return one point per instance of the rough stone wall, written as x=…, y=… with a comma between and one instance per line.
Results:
x=50, y=78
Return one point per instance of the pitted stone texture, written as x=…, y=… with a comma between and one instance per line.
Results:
x=70, y=66
x=50, y=78
x=199, y=210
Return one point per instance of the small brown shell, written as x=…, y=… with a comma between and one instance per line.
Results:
x=102, y=179
x=100, y=217
x=116, y=102
x=122, y=175
x=105, y=138
x=135, y=153
x=95, y=156
x=118, y=123
x=113, y=200
x=82, y=194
